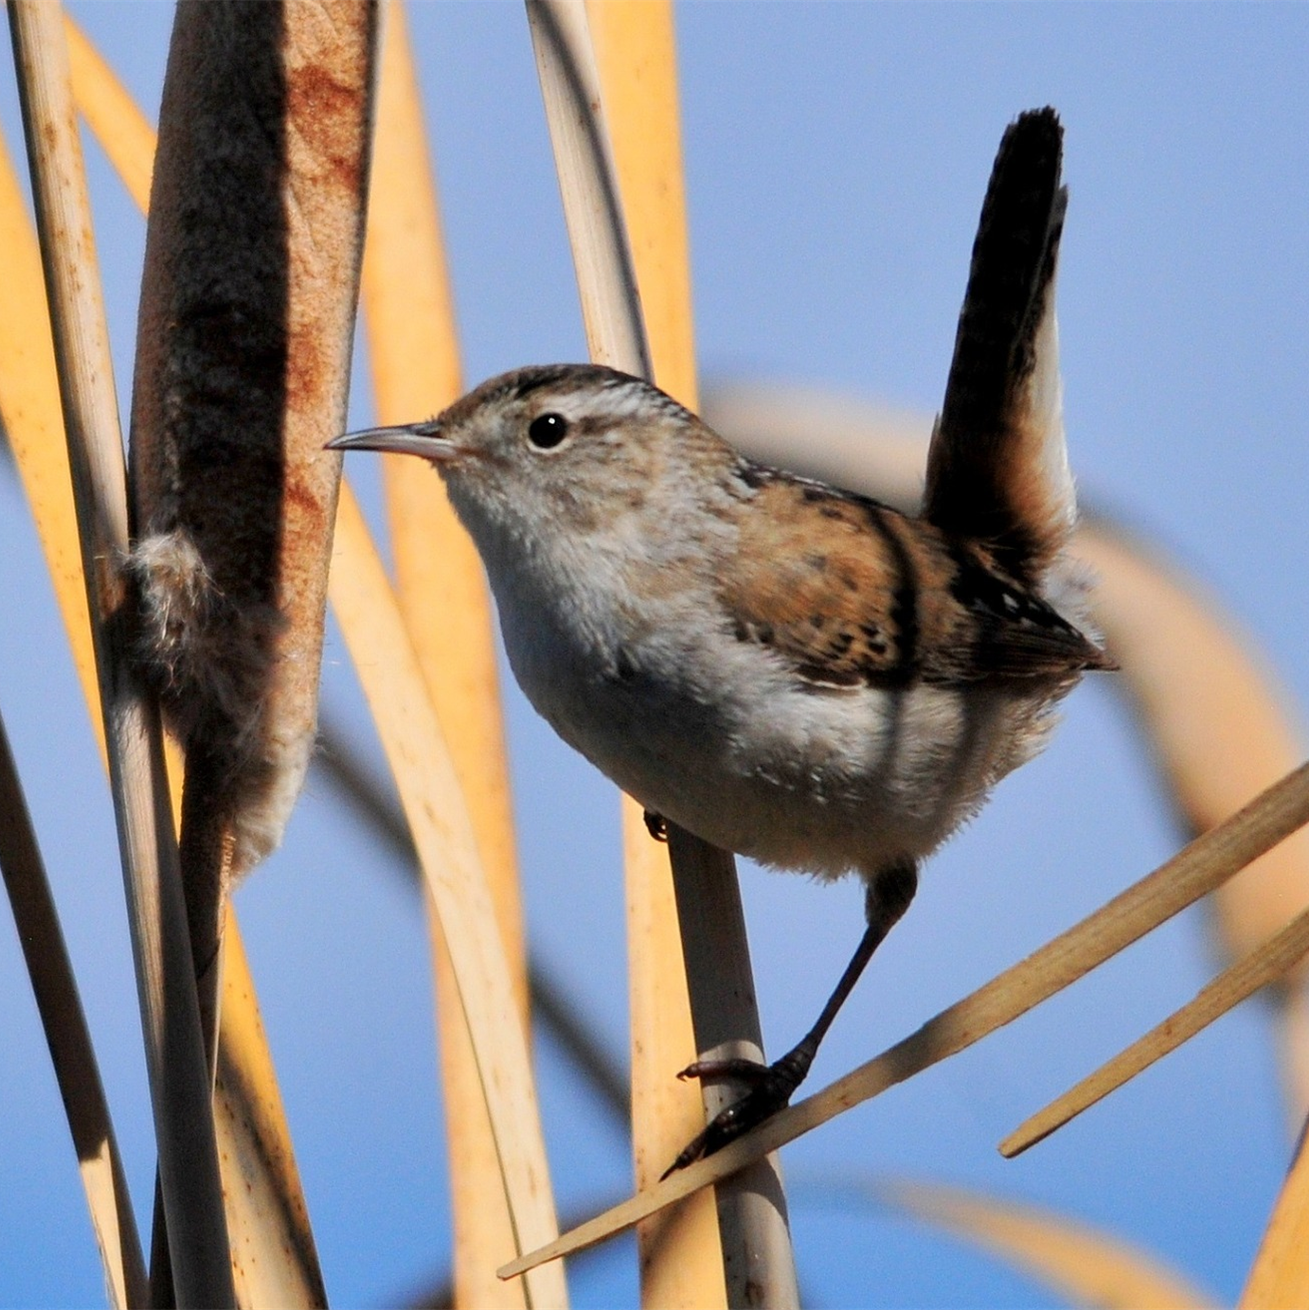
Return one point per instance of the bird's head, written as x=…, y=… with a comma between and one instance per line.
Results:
x=547, y=448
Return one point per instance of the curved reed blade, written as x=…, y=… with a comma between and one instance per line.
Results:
x=443, y=833
x=1194, y=872
x=681, y=1251
x=606, y=277
x=69, y=1039
x=1221, y=727
x=415, y=368
x=1266, y=964
x=112, y=115
x=756, y=1250
x=34, y=426
x=574, y=1032
x=274, y=1257
x=1279, y=1276
x=165, y=974
x=1080, y=1264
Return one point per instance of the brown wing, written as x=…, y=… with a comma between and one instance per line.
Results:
x=820, y=579
x=997, y=469
x=852, y=593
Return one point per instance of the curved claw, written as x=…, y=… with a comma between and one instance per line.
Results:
x=772, y=1088
x=750, y=1072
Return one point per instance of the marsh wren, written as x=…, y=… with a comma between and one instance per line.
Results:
x=783, y=668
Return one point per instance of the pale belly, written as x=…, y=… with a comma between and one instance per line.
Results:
x=724, y=743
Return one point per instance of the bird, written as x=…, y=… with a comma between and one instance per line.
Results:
x=781, y=667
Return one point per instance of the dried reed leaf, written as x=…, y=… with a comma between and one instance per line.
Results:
x=1219, y=723
x=69, y=1040
x=639, y=53
x=274, y=1258
x=165, y=975
x=366, y=796
x=1196, y=870
x=34, y=426
x=1221, y=728
x=1082, y=1265
x=443, y=833
x=606, y=278
x=442, y=592
x=862, y=445
x=1266, y=964
x=112, y=115
x=1279, y=1276
x=680, y=1251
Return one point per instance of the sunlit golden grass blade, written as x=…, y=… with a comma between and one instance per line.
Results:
x=1221, y=728
x=636, y=57
x=69, y=1039
x=606, y=277
x=1082, y=1265
x=442, y=593
x=265, y=1203
x=681, y=1254
x=165, y=976
x=33, y=423
x=443, y=833
x=1279, y=1277
x=112, y=115
x=1192, y=873
x=1222, y=725
x=639, y=54
x=1266, y=964
x=275, y=1260
x=364, y=795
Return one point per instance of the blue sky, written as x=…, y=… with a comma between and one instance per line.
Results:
x=836, y=157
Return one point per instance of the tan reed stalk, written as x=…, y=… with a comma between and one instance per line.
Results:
x=680, y=1251
x=442, y=593
x=274, y=1257
x=191, y=1187
x=682, y=1256
x=264, y=1201
x=1194, y=872
x=69, y=1039
x=34, y=426
x=1266, y=964
x=1221, y=728
x=393, y=684
x=340, y=766
x=588, y=186
x=112, y=115
x=1080, y=1264
x=1279, y=1276
x=756, y=1256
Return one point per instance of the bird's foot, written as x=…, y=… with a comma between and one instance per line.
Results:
x=771, y=1087
x=656, y=825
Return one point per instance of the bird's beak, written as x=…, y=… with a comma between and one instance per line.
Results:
x=423, y=439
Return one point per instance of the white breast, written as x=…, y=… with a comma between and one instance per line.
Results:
x=718, y=736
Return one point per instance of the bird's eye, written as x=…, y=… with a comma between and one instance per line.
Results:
x=547, y=430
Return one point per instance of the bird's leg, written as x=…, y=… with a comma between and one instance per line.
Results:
x=772, y=1085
